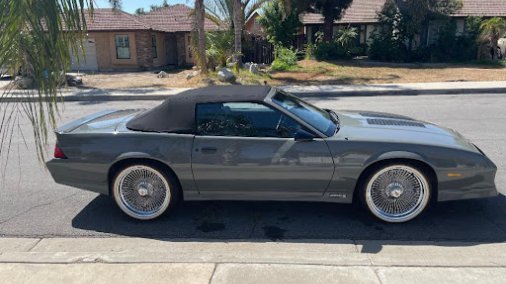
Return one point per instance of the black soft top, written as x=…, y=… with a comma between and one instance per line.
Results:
x=177, y=113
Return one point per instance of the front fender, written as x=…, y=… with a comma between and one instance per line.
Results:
x=397, y=155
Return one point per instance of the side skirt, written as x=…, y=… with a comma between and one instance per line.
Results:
x=332, y=197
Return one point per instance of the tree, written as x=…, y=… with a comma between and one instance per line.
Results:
x=115, y=4
x=279, y=24
x=415, y=15
x=224, y=10
x=238, y=26
x=140, y=11
x=235, y=13
x=201, y=45
x=331, y=11
x=33, y=45
x=220, y=46
x=164, y=4
x=492, y=30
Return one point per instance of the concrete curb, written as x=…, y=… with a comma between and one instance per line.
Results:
x=300, y=251
x=161, y=94
x=134, y=260
x=408, y=92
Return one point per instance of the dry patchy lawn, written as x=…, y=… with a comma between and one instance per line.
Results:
x=122, y=80
x=310, y=72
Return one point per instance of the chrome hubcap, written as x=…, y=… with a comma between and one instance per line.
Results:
x=394, y=190
x=142, y=192
x=397, y=193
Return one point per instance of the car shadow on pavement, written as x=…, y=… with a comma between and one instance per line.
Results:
x=451, y=223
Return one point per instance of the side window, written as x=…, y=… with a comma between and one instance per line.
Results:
x=243, y=119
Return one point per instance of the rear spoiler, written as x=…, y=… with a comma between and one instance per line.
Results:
x=69, y=127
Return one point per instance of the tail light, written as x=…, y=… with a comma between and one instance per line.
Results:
x=58, y=152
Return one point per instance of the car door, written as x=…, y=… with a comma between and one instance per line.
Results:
x=247, y=150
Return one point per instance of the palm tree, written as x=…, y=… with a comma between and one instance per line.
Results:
x=224, y=9
x=201, y=45
x=235, y=13
x=238, y=31
x=33, y=45
x=492, y=30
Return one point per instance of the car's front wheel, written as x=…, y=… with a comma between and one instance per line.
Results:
x=396, y=193
x=143, y=191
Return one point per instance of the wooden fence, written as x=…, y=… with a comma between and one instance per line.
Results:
x=257, y=49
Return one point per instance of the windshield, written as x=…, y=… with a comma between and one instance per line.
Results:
x=316, y=117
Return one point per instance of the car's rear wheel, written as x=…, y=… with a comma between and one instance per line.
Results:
x=142, y=191
x=396, y=193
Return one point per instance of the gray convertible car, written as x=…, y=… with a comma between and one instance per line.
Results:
x=260, y=143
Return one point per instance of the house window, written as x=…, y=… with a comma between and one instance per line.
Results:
x=153, y=46
x=122, y=47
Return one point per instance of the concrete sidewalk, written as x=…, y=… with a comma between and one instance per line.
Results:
x=303, y=91
x=131, y=260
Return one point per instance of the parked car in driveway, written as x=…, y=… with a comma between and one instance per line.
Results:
x=260, y=143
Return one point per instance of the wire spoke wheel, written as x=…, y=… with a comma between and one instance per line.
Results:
x=397, y=193
x=142, y=192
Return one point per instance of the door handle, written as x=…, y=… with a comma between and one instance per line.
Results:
x=209, y=150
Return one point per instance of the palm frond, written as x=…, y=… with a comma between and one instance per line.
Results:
x=252, y=7
x=36, y=42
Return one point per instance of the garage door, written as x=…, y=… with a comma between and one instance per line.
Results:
x=88, y=62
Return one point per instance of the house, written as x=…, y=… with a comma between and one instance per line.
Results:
x=478, y=8
x=252, y=26
x=115, y=40
x=176, y=24
x=363, y=15
x=119, y=41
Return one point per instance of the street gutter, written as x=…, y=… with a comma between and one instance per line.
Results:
x=320, y=91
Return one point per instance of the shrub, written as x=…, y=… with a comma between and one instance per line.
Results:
x=280, y=28
x=278, y=65
x=342, y=47
x=386, y=48
x=449, y=47
x=220, y=47
x=331, y=51
x=309, y=51
x=285, y=59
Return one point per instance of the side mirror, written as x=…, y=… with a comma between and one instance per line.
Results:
x=303, y=136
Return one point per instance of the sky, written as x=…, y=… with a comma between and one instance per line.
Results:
x=131, y=5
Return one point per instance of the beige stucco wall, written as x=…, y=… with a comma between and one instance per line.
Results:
x=106, y=51
x=171, y=50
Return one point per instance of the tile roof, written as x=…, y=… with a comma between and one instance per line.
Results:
x=360, y=11
x=175, y=18
x=109, y=19
x=486, y=8
x=366, y=11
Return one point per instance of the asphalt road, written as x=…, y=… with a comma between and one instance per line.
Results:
x=31, y=204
